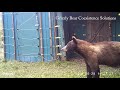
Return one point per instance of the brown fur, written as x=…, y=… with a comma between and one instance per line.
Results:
x=95, y=54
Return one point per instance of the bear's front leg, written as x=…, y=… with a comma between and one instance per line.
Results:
x=96, y=73
x=93, y=66
x=88, y=71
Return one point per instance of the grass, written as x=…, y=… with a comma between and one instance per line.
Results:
x=40, y=70
x=109, y=72
x=57, y=69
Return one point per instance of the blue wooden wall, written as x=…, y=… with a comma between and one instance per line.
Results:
x=25, y=43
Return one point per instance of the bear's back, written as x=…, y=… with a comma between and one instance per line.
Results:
x=109, y=52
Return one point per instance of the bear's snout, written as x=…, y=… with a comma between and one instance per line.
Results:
x=64, y=49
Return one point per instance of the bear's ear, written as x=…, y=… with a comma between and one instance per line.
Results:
x=74, y=39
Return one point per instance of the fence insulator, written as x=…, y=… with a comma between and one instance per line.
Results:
x=57, y=37
x=59, y=54
x=57, y=26
x=58, y=45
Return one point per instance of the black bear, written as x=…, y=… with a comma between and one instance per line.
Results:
x=95, y=54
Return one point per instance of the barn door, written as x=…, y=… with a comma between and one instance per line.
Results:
x=98, y=30
x=27, y=36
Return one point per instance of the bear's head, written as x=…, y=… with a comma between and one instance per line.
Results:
x=71, y=45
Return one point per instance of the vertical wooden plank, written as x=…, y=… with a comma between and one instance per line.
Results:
x=4, y=36
x=61, y=41
x=41, y=39
x=89, y=28
x=113, y=27
x=46, y=36
x=14, y=36
x=55, y=29
x=38, y=31
x=52, y=33
x=50, y=28
x=110, y=29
